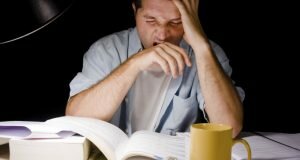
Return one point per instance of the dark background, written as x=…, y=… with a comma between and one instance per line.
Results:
x=258, y=38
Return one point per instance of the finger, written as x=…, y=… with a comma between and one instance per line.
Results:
x=188, y=5
x=182, y=52
x=171, y=61
x=162, y=62
x=195, y=4
x=181, y=7
x=179, y=58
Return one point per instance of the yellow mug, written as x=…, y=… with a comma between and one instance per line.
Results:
x=211, y=141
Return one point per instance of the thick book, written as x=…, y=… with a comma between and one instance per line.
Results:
x=269, y=145
x=69, y=148
x=114, y=144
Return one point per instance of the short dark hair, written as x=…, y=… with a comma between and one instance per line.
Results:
x=137, y=3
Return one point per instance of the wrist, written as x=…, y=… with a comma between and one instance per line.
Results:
x=201, y=48
x=199, y=41
x=133, y=64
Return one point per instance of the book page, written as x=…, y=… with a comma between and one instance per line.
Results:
x=155, y=145
x=105, y=136
x=31, y=129
x=290, y=139
x=263, y=148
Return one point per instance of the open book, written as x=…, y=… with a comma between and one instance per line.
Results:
x=269, y=145
x=116, y=145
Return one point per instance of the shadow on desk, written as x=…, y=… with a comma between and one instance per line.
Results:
x=95, y=154
x=4, y=152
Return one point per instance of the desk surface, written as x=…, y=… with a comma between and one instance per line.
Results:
x=261, y=146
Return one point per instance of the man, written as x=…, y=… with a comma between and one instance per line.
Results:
x=156, y=76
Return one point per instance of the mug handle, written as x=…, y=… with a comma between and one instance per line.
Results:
x=246, y=144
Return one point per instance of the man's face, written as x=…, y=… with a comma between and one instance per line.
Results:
x=158, y=21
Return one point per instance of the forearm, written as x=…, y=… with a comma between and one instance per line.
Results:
x=103, y=99
x=221, y=99
x=222, y=102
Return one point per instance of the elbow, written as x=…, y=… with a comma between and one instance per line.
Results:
x=70, y=108
x=73, y=109
x=238, y=125
x=237, y=128
x=69, y=111
x=237, y=122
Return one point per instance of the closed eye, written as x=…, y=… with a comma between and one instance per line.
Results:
x=151, y=22
x=175, y=23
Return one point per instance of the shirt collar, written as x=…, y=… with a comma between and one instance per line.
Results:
x=183, y=44
x=135, y=44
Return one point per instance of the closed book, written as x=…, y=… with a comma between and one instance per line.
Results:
x=69, y=148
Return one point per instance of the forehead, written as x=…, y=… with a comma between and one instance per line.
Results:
x=159, y=8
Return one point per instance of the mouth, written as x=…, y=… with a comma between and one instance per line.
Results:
x=155, y=43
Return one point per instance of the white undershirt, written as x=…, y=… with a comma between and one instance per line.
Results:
x=149, y=91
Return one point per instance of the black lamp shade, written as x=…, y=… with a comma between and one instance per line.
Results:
x=21, y=18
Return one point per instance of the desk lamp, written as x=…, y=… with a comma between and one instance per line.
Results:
x=21, y=18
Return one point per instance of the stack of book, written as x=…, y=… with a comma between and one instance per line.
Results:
x=25, y=140
x=55, y=139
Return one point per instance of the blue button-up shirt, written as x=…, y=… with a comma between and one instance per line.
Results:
x=183, y=98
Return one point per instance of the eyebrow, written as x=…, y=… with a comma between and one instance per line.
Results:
x=151, y=17
x=176, y=19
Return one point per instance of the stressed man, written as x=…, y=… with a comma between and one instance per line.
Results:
x=158, y=75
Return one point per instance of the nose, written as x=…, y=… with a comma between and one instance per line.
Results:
x=162, y=33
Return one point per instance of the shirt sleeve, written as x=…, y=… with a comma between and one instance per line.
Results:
x=226, y=66
x=98, y=62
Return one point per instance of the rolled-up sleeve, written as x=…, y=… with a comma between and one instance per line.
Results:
x=226, y=67
x=100, y=59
